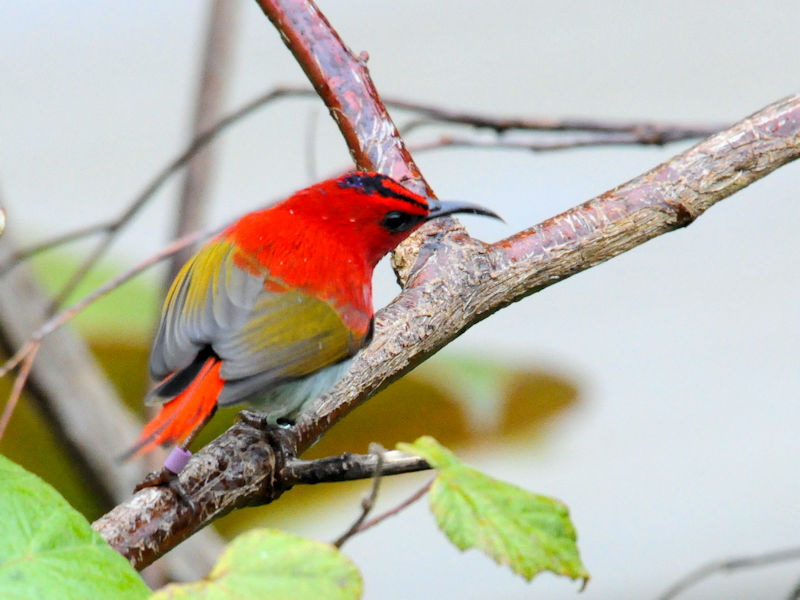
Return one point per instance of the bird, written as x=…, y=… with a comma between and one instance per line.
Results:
x=270, y=312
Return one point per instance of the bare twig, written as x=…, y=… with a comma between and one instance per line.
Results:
x=163, y=176
x=66, y=315
x=368, y=502
x=565, y=142
x=109, y=228
x=397, y=509
x=17, y=358
x=728, y=565
x=82, y=270
x=20, y=255
x=657, y=133
x=16, y=390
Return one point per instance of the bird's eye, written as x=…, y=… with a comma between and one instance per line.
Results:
x=396, y=221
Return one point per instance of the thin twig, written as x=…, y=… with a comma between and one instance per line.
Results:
x=310, y=154
x=393, y=511
x=16, y=358
x=564, y=142
x=111, y=227
x=83, y=269
x=71, y=236
x=64, y=316
x=728, y=565
x=16, y=390
x=663, y=132
x=368, y=502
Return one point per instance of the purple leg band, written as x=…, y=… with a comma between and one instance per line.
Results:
x=177, y=459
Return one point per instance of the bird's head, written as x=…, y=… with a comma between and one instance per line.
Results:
x=373, y=210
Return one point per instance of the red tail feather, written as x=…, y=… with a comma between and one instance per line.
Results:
x=184, y=413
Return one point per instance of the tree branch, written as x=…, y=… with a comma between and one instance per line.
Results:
x=348, y=467
x=728, y=565
x=368, y=502
x=653, y=132
x=398, y=508
x=539, y=144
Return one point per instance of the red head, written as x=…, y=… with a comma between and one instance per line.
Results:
x=369, y=211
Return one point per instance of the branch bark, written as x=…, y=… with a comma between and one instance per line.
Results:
x=452, y=281
x=348, y=467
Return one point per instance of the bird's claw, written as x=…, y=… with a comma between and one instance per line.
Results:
x=155, y=479
x=255, y=419
x=168, y=479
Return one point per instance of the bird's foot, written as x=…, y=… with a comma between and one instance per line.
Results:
x=262, y=421
x=277, y=434
x=255, y=419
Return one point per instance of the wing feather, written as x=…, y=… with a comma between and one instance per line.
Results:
x=263, y=332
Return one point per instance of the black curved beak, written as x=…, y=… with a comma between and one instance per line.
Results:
x=440, y=208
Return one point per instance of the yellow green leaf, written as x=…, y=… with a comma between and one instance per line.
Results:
x=267, y=563
x=528, y=532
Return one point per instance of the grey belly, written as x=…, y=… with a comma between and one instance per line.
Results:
x=287, y=400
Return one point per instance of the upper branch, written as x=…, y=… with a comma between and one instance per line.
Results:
x=344, y=84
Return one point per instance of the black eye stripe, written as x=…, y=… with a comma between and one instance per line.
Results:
x=375, y=183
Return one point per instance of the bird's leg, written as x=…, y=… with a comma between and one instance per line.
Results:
x=277, y=435
x=169, y=474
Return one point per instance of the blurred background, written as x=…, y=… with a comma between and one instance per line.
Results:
x=656, y=395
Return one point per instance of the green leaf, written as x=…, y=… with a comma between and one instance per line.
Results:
x=528, y=532
x=266, y=563
x=48, y=549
